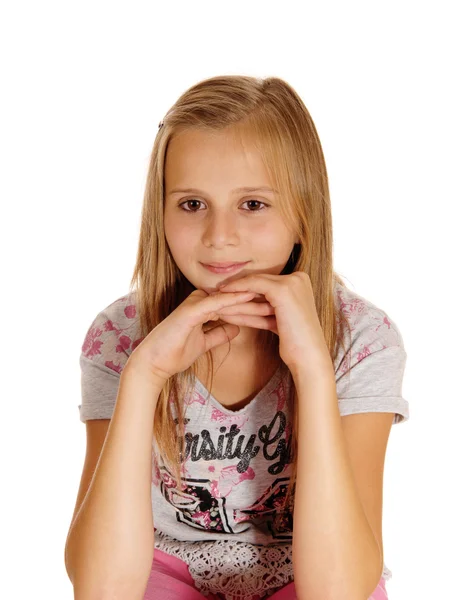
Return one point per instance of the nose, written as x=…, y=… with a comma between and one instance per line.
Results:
x=222, y=228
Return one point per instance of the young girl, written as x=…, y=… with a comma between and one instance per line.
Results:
x=253, y=419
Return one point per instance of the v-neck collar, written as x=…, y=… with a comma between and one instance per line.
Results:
x=268, y=387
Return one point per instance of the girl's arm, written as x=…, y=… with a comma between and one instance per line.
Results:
x=335, y=553
x=110, y=546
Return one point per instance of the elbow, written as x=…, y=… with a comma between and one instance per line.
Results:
x=339, y=595
x=87, y=587
x=68, y=566
x=356, y=582
x=84, y=591
x=356, y=590
x=92, y=582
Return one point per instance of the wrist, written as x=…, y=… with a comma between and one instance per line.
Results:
x=139, y=372
x=313, y=375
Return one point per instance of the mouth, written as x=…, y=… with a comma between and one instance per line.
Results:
x=224, y=267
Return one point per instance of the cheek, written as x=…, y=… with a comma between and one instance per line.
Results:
x=271, y=238
x=183, y=244
x=177, y=233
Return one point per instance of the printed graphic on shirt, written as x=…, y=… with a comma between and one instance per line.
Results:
x=207, y=502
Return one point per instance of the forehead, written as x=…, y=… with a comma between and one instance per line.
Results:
x=197, y=158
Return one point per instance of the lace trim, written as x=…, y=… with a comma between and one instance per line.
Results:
x=238, y=570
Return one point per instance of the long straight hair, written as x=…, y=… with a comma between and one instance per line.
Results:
x=270, y=114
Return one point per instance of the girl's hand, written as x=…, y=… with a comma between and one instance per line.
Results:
x=294, y=319
x=179, y=340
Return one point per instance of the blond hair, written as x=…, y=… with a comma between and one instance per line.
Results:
x=273, y=117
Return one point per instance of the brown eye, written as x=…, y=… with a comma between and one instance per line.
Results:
x=186, y=203
x=246, y=201
x=258, y=202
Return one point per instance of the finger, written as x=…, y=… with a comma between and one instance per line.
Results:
x=224, y=292
x=264, y=284
x=222, y=300
x=248, y=308
x=248, y=280
x=257, y=322
x=207, y=309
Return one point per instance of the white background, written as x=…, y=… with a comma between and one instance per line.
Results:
x=85, y=85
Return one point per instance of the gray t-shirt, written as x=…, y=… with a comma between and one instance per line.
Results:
x=227, y=523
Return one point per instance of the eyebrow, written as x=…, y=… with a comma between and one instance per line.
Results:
x=235, y=191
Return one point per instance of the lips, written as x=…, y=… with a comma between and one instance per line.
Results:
x=224, y=265
x=231, y=268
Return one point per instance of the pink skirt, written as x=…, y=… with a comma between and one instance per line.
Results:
x=170, y=580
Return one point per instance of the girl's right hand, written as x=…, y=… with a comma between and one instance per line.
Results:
x=179, y=340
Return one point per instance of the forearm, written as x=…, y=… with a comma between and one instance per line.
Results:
x=335, y=553
x=111, y=543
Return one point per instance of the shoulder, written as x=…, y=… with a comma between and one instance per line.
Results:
x=113, y=334
x=369, y=368
x=369, y=324
x=371, y=329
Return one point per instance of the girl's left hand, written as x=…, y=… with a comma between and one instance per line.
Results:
x=302, y=344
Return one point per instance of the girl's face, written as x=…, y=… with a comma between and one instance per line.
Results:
x=215, y=222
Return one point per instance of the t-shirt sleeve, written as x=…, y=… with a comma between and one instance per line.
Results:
x=370, y=377
x=104, y=353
